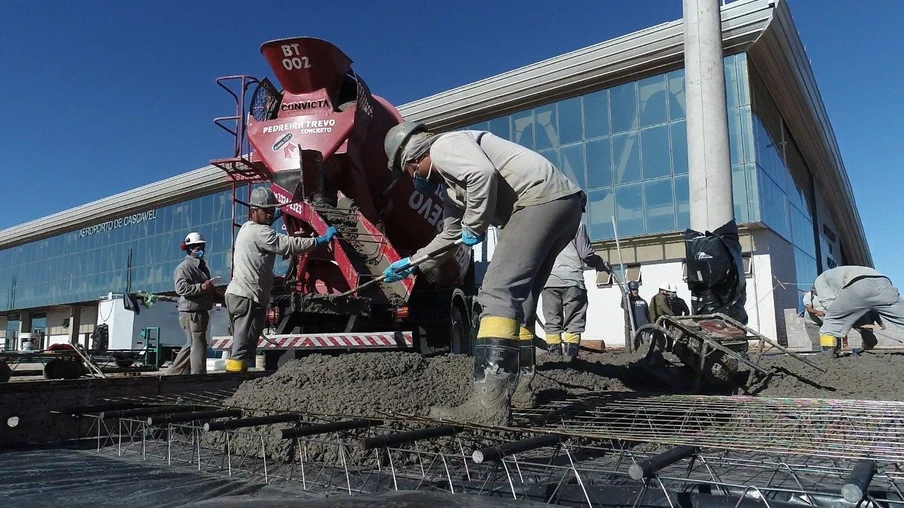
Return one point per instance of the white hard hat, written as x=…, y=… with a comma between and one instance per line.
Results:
x=673, y=288
x=193, y=238
x=665, y=286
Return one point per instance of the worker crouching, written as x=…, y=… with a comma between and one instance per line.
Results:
x=491, y=181
x=248, y=294
x=565, y=295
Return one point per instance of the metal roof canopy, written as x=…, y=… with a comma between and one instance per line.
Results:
x=763, y=28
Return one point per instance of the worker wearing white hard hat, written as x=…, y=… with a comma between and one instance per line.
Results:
x=195, y=288
x=248, y=294
x=678, y=305
x=490, y=181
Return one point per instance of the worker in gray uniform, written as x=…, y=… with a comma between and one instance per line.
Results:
x=491, y=181
x=565, y=295
x=847, y=293
x=196, y=290
x=248, y=294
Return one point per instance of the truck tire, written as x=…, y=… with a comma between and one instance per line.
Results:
x=459, y=335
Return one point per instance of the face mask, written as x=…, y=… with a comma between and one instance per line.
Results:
x=198, y=253
x=424, y=185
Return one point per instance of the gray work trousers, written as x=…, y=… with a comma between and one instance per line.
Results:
x=565, y=309
x=525, y=254
x=193, y=357
x=852, y=302
x=247, y=318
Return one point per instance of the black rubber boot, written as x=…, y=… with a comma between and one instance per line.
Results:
x=571, y=351
x=524, y=396
x=495, y=375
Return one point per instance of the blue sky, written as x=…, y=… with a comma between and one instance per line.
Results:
x=101, y=97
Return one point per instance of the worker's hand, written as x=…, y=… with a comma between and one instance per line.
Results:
x=820, y=313
x=397, y=270
x=330, y=233
x=469, y=238
x=206, y=285
x=604, y=266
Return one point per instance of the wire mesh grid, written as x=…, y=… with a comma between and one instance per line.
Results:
x=602, y=436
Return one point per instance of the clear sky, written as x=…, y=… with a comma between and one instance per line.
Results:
x=99, y=97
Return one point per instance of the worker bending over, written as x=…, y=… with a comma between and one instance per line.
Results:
x=195, y=289
x=565, y=295
x=491, y=181
x=847, y=293
x=248, y=294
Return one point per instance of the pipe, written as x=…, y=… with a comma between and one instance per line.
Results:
x=142, y=411
x=524, y=445
x=82, y=410
x=398, y=438
x=646, y=468
x=250, y=422
x=323, y=428
x=857, y=483
x=192, y=416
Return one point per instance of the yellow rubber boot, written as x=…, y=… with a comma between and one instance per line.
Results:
x=554, y=343
x=572, y=345
x=831, y=345
x=496, y=356
x=236, y=365
x=524, y=396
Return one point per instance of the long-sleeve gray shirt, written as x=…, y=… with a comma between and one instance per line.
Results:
x=188, y=277
x=487, y=182
x=831, y=282
x=570, y=264
x=256, y=247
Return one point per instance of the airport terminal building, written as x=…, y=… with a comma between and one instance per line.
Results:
x=611, y=116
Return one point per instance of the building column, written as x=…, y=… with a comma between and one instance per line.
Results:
x=24, y=322
x=75, y=322
x=709, y=160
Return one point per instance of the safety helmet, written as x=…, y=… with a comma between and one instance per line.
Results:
x=262, y=197
x=395, y=142
x=633, y=286
x=192, y=238
x=665, y=287
x=673, y=288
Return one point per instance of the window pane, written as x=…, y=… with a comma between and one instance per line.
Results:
x=731, y=81
x=678, y=132
x=500, y=127
x=677, y=106
x=573, y=164
x=652, y=100
x=547, y=135
x=739, y=193
x=660, y=206
x=735, y=143
x=626, y=157
x=599, y=164
x=600, y=209
x=683, y=202
x=524, y=128
x=570, y=125
x=596, y=114
x=629, y=211
x=624, y=108
x=743, y=80
x=655, y=142
x=479, y=126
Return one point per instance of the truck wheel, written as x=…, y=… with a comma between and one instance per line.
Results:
x=460, y=339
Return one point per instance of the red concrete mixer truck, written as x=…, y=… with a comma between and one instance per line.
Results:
x=317, y=141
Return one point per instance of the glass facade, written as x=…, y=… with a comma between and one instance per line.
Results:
x=627, y=147
x=784, y=183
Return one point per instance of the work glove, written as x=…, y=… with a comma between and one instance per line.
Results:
x=395, y=272
x=330, y=233
x=604, y=266
x=469, y=238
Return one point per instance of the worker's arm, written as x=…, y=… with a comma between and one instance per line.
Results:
x=270, y=241
x=452, y=214
x=462, y=160
x=183, y=283
x=585, y=250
